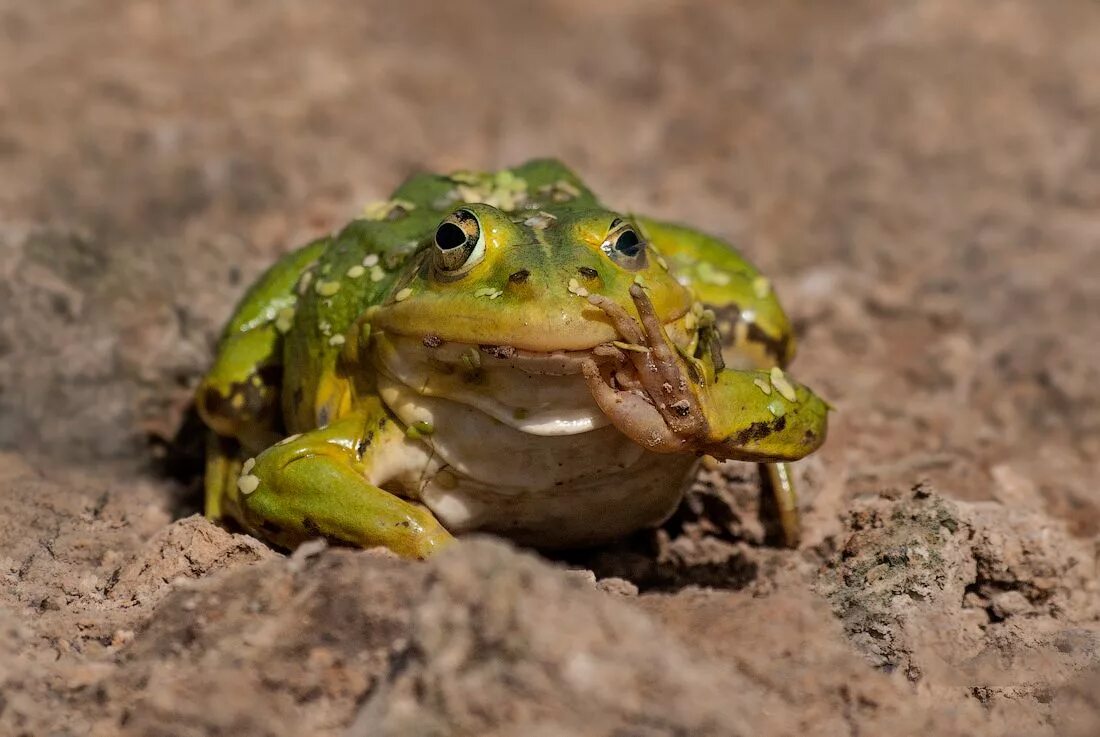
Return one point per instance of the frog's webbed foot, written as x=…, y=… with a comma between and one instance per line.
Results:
x=655, y=404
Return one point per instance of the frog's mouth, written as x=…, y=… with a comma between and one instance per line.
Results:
x=535, y=392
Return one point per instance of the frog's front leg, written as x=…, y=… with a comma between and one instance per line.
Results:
x=757, y=416
x=314, y=485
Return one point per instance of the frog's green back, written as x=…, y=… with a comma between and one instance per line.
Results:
x=539, y=184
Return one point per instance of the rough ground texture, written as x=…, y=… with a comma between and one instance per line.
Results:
x=921, y=179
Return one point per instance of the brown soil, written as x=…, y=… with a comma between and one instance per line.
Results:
x=921, y=179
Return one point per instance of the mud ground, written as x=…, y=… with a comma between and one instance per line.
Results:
x=921, y=181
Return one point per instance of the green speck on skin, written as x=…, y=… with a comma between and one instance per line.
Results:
x=303, y=283
x=423, y=427
x=708, y=274
x=761, y=287
x=465, y=176
x=284, y=319
x=387, y=209
x=779, y=381
x=248, y=483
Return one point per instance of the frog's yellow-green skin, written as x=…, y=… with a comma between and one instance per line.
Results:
x=496, y=351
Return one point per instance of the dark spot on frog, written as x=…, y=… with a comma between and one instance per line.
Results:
x=432, y=341
x=311, y=527
x=588, y=272
x=519, y=277
x=760, y=430
x=322, y=416
x=498, y=351
x=381, y=423
x=403, y=523
x=364, y=443
x=776, y=347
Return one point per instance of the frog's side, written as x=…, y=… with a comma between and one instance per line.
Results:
x=496, y=352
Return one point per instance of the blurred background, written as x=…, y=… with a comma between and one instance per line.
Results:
x=919, y=178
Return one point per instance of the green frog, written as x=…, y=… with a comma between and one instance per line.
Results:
x=500, y=352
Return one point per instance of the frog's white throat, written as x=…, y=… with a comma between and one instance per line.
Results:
x=516, y=444
x=535, y=393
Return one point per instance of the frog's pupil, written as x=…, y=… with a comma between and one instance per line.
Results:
x=628, y=243
x=449, y=236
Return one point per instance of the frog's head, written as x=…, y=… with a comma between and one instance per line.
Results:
x=492, y=278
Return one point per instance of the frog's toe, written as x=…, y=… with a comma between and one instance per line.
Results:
x=629, y=411
x=658, y=369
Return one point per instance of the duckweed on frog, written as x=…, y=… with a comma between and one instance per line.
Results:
x=497, y=352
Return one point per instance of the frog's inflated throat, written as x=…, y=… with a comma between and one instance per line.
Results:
x=497, y=352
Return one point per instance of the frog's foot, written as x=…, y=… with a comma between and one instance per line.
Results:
x=655, y=404
x=313, y=485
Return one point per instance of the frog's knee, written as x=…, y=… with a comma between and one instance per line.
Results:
x=263, y=495
x=267, y=466
x=228, y=408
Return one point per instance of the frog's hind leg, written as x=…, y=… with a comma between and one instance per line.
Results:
x=223, y=468
x=238, y=398
x=315, y=485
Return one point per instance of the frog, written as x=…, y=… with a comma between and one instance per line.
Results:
x=497, y=352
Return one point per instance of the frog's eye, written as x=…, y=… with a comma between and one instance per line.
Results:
x=624, y=246
x=459, y=242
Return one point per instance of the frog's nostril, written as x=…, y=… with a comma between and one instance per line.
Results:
x=519, y=277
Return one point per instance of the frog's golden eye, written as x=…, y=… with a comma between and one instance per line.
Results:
x=459, y=242
x=625, y=246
